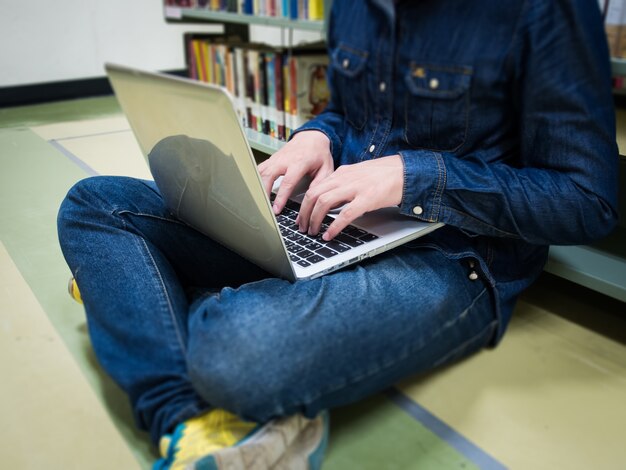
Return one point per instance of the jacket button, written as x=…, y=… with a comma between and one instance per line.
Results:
x=417, y=210
x=434, y=83
x=346, y=63
x=382, y=87
x=473, y=276
x=372, y=148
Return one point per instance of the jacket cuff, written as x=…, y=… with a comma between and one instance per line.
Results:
x=424, y=183
x=335, y=141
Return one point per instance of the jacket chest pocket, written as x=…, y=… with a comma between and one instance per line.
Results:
x=350, y=79
x=436, y=106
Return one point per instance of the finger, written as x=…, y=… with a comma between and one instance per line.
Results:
x=321, y=175
x=310, y=200
x=291, y=178
x=268, y=177
x=324, y=204
x=347, y=215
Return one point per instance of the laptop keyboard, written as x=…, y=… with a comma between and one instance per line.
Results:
x=306, y=250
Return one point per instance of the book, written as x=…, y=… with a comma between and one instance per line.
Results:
x=309, y=88
x=274, y=90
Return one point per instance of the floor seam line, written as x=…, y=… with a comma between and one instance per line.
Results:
x=444, y=431
x=73, y=158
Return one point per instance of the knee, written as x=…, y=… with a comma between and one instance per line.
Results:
x=77, y=205
x=85, y=195
x=241, y=378
x=98, y=196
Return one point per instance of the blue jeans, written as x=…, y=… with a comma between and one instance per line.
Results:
x=182, y=324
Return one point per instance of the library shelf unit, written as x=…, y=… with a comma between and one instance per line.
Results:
x=238, y=24
x=600, y=267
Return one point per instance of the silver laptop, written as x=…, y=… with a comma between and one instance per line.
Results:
x=195, y=146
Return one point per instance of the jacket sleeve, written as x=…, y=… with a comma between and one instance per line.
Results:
x=561, y=187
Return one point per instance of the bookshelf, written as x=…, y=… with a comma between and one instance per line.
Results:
x=238, y=25
x=601, y=266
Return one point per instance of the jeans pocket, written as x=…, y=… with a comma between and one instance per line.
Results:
x=436, y=106
x=349, y=64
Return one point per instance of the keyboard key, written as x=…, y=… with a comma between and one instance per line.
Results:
x=294, y=237
x=294, y=258
x=304, y=263
x=335, y=245
x=326, y=252
x=348, y=240
x=313, y=245
x=292, y=205
x=306, y=254
x=315, y=259
x=368, y=237
x=358, y=233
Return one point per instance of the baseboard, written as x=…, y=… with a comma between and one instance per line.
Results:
x=57, y=91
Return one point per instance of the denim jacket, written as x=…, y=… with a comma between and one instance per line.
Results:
x=502, y=113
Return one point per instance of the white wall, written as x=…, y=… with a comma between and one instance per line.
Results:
x=54, y=40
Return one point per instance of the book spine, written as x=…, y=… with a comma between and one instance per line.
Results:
x=201, y=60
x=280, y=108
x=230, y=71
x=242, y=89
x=293, y=98
x=263, y=93
x=316, y=9
x=249, y=90
x=286, y=95
x=270, y=109
x=293, y=9
x=256, y=109
x=192, y=47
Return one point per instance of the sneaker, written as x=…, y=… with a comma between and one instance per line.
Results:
x=72, y=288
x=219, y=440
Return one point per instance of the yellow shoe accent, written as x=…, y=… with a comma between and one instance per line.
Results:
x=202, y=435
x=72, y=288
x=164, y=445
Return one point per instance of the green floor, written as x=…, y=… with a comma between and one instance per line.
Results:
x=474, y=398
x=47, y=113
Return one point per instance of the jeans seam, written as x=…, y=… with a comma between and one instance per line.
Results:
x=168, y=300
x=396, y=360
x=143, y=214
x=464, y=345
x=143, y=243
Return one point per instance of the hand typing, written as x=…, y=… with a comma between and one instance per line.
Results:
x=359, y=188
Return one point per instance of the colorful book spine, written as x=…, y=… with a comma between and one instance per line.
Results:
x=279, y=91
x=264, y=95
x=270, y=108
x=274, y=91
